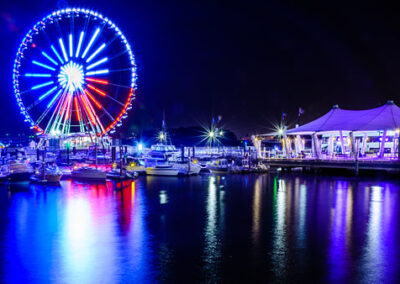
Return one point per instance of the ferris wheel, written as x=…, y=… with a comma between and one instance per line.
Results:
x=74, y=73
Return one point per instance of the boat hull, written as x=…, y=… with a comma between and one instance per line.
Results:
x=19, y=177
x=162, y=171
x=219, y=170
x=89, y=175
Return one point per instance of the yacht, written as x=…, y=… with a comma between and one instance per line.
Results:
x=136, y=165
x=88, y=173
x=188, y=168
x=162, y=170
x=19, y=172
x=52, y=174
x=220, y=166
x=118, y=174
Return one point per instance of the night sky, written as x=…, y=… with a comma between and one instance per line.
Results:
x=248, y=61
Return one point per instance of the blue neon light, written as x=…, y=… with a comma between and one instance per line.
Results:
x=91, y=42
x=56, y=53
x=105, y=59
x=70, y=45
x=47, y=93
x=49, y=58
x=79, y=44
x=103, y=71
x=63, y=49
x=42, y=85
x=43, y=65
x=37, y=75
x=96, y=52
x=54, y=98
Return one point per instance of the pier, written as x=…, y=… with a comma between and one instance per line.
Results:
x=391, y=166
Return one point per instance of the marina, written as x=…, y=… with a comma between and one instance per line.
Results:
x=199, y=142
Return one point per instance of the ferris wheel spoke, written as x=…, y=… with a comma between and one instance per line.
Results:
x=42, y=85
x=120, y=70
x=97, y=72
x=90, y=119
x=78, y=49
x=40, y=99
x=67, y=115
x=60, y=108
x=99, y=125
x=98, y=50
x=49, y=107
x=71, y=51
x=100, y=92
x=56, y=53
x=38, y=75
x=122, y=86
x=119, y=54
x=105, y=82
x=49, y=58
x=101, y=61
x=43, y=65
x=93, y=38
x=96, y=103
x=115, y=100
x=61, y=42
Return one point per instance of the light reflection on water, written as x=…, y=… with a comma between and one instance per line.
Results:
x=206, y=228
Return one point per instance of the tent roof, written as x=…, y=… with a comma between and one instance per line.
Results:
x=386, y=117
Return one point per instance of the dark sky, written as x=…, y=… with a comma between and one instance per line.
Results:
x=248, y=61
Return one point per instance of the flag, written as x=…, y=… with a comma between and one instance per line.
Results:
x=301, y=111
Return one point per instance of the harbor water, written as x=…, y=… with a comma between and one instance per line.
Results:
x=208, y=228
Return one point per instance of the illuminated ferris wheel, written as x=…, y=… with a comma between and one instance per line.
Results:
x=74, y=73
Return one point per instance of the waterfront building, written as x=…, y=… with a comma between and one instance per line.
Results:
x=342, y=134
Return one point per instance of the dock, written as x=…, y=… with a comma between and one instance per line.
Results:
x=392, y=166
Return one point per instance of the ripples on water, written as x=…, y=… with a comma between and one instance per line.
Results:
x=207, y=228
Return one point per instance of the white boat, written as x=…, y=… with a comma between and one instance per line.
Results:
x=136, y=165
x=52, y=174
x=220, y=166
x=162, y=170
x=88, y=173
x=186, y=168
x=117, y=174
x=19, y=172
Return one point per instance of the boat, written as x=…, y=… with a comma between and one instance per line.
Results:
x=52, y=174
x=19, y=172
x=187, y=168
x=88, y=173
x=162, y=170
x=137, y=166
x=219, y=166
x=117, y=174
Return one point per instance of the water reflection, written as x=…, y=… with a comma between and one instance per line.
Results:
x=257, y=207
x=285, y=228
x=340, y=228
x=212, y=250
x=279, y=250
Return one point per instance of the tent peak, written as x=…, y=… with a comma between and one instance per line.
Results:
x=335, y=106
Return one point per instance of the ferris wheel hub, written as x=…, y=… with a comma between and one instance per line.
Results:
x=71, y=76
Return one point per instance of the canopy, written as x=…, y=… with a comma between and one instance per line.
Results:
x=386, y=117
